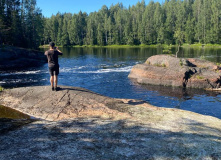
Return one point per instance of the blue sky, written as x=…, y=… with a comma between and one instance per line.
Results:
x=50, y=7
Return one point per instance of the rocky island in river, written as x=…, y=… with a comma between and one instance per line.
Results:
x=180, y=72
x=75, y=123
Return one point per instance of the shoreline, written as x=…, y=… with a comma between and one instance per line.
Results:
x=20, y=58
x=142, y=46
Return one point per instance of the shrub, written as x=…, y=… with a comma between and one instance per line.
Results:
x=160, y=65
x=167, y=49
x=147, y=62
x=181, y=62
x=1, y=88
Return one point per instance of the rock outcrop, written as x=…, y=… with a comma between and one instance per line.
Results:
x=171, y=71
x=68, y=102
x=14, y=58
x=76, y=123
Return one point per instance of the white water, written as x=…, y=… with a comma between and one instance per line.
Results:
x=123, y=69
x=21, y=73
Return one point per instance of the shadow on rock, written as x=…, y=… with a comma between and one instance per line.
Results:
x=96, y=138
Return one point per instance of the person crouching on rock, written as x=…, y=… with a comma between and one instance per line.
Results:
x=52, y=55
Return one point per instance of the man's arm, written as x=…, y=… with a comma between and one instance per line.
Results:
x=60, y=53
x=46, y=53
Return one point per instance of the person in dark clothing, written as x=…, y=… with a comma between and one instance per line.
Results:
x=52, y=55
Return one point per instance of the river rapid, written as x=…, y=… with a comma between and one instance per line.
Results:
x=105, y=71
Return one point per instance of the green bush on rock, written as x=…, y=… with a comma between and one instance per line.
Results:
x=1, y=88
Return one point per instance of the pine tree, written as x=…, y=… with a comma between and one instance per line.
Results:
x=2, y=31
x=100, y=40
x=46, y=34
x=171, y=22
x=74, y=31
x=82, y=26
x=150, y=31
x=64, y=35
x=189, y=30
x=199, y=32
x=180, y=24
x=134, y=25
x=215, y=30
x=90, y=31
x=158, y=23
x=33, y=24
x=110, y=31
x=2, y=18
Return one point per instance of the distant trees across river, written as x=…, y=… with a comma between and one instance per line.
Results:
x=170, y=22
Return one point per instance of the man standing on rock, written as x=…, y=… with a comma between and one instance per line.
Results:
x=52, y=55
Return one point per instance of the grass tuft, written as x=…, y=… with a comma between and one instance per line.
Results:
x=1, y=88
x=199, y=77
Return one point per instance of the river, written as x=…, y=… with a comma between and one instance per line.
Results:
x=105, y=71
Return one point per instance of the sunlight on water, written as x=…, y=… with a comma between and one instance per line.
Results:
x=105, y=71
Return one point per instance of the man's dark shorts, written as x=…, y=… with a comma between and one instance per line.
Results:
x=54, y=70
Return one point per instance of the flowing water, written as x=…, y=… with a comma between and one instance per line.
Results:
x=105, y=71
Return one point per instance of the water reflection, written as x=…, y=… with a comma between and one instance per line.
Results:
x=6, y=112
x=212, y=54
x=196, y=100
x=178, y=92
x=107, y=53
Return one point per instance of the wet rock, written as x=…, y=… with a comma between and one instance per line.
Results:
x=171, y=71
x=79, y=124
x=14, y=58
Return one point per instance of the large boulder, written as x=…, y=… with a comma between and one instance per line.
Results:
x=171, y=71
x=68, y=102
x=76, y=123
x=14, y=58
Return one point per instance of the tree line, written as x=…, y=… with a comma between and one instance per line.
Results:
x=170, y=22
x=21, y=23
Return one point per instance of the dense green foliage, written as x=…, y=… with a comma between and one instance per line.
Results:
x=21, y=23
x=172, y=22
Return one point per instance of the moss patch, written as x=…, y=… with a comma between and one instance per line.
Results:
x=199, y=77
x=1, y=88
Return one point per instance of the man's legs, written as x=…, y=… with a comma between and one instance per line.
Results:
x=52, y=81
x=51, y=71
x=54, y=77
x=55, y=81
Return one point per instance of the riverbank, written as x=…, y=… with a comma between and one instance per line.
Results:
x=198, y=45
x=108, y=46
x=15, y=58
x=77, y=123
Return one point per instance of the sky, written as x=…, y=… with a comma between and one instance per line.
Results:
x=50, y=7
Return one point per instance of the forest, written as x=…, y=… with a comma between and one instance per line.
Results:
x=21, y=23
x=169, y=22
